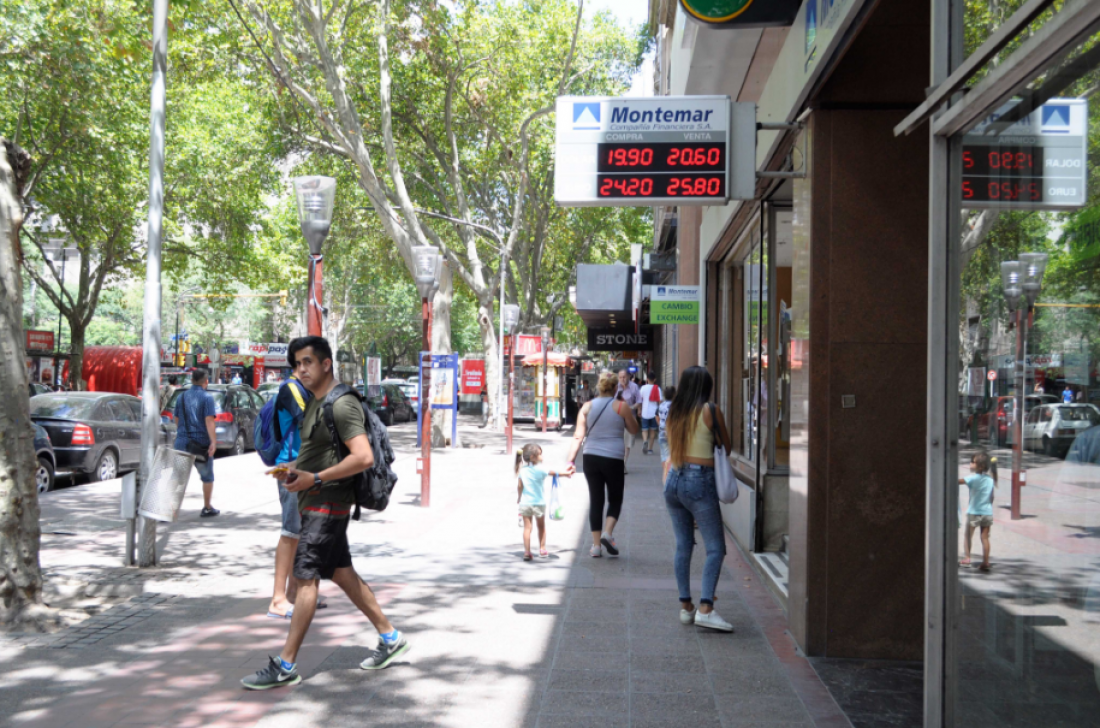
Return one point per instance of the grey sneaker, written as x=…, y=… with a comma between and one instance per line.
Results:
x=272, y=676
x=385, y=654
x=609, y=544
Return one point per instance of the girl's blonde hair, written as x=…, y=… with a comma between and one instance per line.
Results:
x=987, y=465
x=607, y=385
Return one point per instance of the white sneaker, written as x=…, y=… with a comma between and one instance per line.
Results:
x=711, y=620
x=687, y=616
x=595, y=551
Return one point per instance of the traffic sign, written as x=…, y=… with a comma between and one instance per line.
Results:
x=992, y=375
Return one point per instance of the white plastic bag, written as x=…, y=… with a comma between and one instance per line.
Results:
x=557, y=512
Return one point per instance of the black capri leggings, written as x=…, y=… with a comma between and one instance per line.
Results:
x=601, y=472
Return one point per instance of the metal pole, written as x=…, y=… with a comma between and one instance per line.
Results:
x=545, y=382
x=511, y=386
x=176, y=357
x=426, y=408
x=500, y=374
x=150, y=384
x=314, y=308
x=57, y=349
x=1018, y=475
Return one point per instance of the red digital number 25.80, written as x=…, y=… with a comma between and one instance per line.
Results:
x=695, y=186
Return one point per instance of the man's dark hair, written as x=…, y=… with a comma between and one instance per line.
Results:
x=198, y=376
x=651, y=376
x=172, y=380
x=319, y=345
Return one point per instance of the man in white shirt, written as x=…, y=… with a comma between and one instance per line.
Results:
x=651, y=400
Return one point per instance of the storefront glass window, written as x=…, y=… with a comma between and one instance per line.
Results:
x=1026, y=596
x=754, y=393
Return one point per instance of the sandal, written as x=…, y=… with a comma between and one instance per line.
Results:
x=964, y=562
x=985, y=567
x=543, y=553
x=527, y=556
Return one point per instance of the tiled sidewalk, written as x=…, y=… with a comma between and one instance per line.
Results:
x=563, y=641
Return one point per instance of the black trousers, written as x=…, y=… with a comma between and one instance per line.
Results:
x=601, y=473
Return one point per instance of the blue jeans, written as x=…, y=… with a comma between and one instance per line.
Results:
x=691, y=497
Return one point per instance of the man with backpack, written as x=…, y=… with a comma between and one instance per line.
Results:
x=325, y=480
x=277, y=442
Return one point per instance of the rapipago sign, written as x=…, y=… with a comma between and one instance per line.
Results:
x=674, y=304
x=744, y=13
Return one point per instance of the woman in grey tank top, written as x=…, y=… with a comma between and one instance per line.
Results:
x=600, y=426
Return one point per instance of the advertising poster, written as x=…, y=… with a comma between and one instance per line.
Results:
x=443, y=386
x=473, y=375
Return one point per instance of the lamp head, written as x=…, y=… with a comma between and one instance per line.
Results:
x=316, y=197
x=510, y=312
x=1033, y=266
x=1012, y=280
x=427, y=268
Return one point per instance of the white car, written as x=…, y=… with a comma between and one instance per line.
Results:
x=1053, y=427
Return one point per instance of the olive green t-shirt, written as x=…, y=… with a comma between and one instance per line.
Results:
x=318, y=453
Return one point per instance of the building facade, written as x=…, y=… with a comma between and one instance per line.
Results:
x=865, y=345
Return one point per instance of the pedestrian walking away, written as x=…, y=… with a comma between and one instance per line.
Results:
x=324, y=484
x=530, y=478
x=650, y=395
x=601, y=425
x=979, y=513
x=629, y=393
x=290, y=408
x=194, y=414
x=662, y=435
x=694, y=428
x=484, y=406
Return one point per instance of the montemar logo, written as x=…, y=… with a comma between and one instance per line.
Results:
x=624, y=115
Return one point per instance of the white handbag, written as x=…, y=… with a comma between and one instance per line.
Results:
x=724, y=479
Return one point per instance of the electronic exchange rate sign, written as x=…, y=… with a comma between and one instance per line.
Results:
x=642, y=151
x=1037, y=162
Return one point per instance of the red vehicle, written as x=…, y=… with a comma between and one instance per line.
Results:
x=999, y=418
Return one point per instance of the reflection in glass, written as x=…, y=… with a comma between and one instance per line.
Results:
x=1027, y=645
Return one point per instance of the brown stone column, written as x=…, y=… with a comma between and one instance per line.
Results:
x=860, y=302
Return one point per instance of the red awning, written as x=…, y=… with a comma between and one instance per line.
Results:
x=554, y=359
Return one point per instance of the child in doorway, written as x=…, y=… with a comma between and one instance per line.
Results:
x=662, y=440
x=979, y=514
x=532, y=496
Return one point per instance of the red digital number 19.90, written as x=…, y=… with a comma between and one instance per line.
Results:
x=630, y=157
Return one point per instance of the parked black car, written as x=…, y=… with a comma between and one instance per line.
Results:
x=391, y=405
x=237, y=407
x=45, y=475
x=93, y=433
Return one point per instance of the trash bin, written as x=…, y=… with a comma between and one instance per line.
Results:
x=162, y=494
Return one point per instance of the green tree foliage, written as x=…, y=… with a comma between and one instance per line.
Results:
x=82, y=111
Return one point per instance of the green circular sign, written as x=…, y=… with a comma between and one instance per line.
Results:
x=716, y=11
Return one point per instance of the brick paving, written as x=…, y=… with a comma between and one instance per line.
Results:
x=562, y=641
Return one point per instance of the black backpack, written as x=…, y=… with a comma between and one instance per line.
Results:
x=374, y=485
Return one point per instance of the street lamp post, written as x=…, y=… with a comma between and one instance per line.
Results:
x=316, y=197
x=1022, y=280
x=58, y=249
x=545, y=331
x=428, y=267
x=509, y=316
